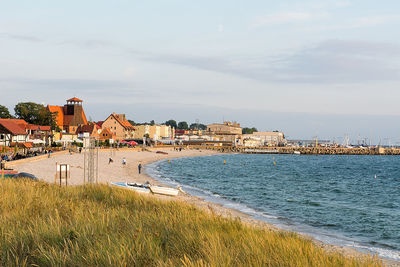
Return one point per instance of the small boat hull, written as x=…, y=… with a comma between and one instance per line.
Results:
x=7, y=173
x=164, y=190
x=134, y=187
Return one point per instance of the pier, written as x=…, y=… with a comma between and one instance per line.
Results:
x=300, y=150
x=321, y=151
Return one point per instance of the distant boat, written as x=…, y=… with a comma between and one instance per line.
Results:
x=133, y=186
x=164, y=190
x=297, y=152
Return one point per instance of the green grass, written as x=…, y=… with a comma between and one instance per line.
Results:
x=46, y=225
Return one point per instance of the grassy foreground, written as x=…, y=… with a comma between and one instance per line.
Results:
x=45, y=225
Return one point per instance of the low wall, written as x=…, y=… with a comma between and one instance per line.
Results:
x=10, y=164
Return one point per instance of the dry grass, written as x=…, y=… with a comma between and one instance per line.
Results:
x=45, y=225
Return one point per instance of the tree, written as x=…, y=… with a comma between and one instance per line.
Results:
x=132, y=122
x=171, y=123
x=249, y=130
x=152, y=122
x=182, y=125
x=198, y=126
x=4, y=113
x=35, y=114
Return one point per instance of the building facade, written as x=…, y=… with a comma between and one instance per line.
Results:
x=11, y=132
x=227, y=131
x=266, y=138
x=226, y=128
x=89, y=130
x=70, y=116
x=119, y=126
x=155, y=132
x=19, y=131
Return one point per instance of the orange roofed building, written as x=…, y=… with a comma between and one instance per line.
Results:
x=70, y=116
x=119, y=126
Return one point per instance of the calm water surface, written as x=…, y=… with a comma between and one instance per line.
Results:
x=336, y=199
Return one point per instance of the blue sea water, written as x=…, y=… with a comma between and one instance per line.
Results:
x=351, y=201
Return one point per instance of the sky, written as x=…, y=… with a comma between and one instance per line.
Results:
x=309, y=68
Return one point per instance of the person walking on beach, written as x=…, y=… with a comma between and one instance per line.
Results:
x=123, y=161
x=140, y=168
x=110, y=160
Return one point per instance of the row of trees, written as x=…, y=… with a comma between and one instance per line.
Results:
x=30, y=112
x=182, y=125
x=249, y=130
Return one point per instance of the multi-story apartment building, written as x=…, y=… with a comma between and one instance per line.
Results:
x=119, y=126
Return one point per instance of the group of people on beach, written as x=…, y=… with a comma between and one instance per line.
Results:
x=124, y=162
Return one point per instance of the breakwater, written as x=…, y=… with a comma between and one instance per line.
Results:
x=299, y=150
x=322, y=151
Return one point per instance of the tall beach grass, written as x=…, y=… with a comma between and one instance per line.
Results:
x=46, y=225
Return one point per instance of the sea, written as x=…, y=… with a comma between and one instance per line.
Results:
x=345, y=200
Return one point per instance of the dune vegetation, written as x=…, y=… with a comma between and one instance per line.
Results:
x=47, y=225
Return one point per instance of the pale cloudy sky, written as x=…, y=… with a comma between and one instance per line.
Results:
x=325, y=68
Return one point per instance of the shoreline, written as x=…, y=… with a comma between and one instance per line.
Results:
x=116, y=172
x=220, y=209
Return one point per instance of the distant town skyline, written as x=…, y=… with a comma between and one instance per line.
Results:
x=308, y=68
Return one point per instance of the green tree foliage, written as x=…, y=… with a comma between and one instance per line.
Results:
x=183, y=125
x=198, y=126
x=152, y=122
x=132, y=122
x=35, y=114
x=249, y=130
x=4, y=113
x=171, y=123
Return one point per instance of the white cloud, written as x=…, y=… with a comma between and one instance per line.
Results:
x=281, y=18
x=130, y=71
x=371, y=21
x=355, y=23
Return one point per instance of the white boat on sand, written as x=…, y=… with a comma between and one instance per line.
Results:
x=132, y=186
x=162, y=190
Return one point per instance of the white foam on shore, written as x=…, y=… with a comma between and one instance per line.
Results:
x=382, y=252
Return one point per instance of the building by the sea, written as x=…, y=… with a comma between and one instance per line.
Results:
x=70, y=116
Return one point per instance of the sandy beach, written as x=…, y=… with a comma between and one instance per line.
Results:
x=45, y=169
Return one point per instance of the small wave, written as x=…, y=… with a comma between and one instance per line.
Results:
x=312, y=203
x=337, y=191
x=382, y=252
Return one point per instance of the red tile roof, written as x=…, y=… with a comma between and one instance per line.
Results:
x=28, y=145
x=108, y=133
x=13, y=127
x=37, y=127
x=124, y=123
x=84, y=117
x=74, y=99
x=25, y=144
x=88, y=128
x=59, y=116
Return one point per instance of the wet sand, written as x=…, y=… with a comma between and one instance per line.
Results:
x=45, y=169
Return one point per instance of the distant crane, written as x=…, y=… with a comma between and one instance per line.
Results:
x=316, y=140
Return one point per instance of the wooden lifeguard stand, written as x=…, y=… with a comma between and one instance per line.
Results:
x=62, y=174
